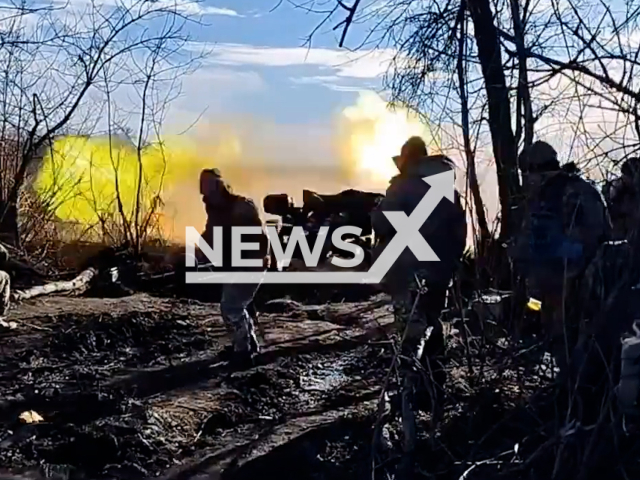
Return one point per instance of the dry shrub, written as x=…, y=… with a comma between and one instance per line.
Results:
x=62, y=245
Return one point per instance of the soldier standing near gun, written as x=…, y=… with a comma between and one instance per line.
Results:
x=226, y=209
x=419, y=289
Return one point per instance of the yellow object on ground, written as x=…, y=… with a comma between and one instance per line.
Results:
x=534, y=305
x=31, y=416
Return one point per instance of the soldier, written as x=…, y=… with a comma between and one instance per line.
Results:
x=226, y=209
x=419, y=289
x=565, y=222
x=623, y=199
x=610, y=296
x=610, y=306
x=5, y=282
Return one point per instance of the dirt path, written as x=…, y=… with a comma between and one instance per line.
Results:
x=131, y=387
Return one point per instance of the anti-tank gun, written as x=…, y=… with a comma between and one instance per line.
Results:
x=349, y=207
x=281, y=205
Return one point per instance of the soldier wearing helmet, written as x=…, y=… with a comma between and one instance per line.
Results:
x=226, y=209
x=565, y=222
x=445, y=230
x=623, y=199
x=419, y=288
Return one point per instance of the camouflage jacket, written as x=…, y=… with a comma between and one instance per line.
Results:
x=584, y=217
x=623, y=203
x=239, y=212
x=445, y=230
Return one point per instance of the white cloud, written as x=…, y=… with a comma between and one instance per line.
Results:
x=363, y=64
x=332, y=82
x=318, y=79
x=225, y=78
x=186, y=7
x=221, y=11
x=199, y=8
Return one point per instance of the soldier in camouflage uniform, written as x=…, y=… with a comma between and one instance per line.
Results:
x=610, y=307
x=623, y=199
x=5, y=282
x=419, y=289
x=610, y=296
x=226, y=209
x=565, y=222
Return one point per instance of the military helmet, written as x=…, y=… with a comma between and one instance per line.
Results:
x=631, y=167
x=211, y=181
x=539, y=157
x=414, y=147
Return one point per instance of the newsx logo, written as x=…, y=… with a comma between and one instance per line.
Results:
x=283, y=255
x=408, y=235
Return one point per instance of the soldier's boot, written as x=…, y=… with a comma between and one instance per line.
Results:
x=229, y=351
x=245, y=344
x=233, y=305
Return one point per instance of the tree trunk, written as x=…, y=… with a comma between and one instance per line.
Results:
x=9, y=232
x=503, y=140
x=78, y=285
x=32, y=157
x=525, y=110
x=472, y=177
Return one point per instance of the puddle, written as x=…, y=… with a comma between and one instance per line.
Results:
x=326, y=376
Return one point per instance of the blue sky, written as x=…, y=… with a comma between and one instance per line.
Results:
x=257, y=65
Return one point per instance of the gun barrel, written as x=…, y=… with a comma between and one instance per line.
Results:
x=279, y=204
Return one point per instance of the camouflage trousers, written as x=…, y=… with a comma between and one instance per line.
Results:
x=417, y=308
x=5, y=292
x=235, y=306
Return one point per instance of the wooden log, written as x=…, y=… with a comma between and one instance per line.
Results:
x=78, y=285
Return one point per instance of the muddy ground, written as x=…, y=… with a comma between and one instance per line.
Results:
x=132, y=388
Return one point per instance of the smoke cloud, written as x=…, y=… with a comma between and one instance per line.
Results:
x=87, y=173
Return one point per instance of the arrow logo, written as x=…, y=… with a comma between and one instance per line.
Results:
x=407, y=236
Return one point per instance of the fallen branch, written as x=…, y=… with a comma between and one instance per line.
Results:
x=78, y=285
x=354, y=316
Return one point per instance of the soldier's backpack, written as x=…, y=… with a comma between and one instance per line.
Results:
x=548, y=239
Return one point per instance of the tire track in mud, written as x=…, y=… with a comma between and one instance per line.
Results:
x=135, y=392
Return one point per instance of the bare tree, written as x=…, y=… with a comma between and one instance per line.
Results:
x=57, y=64
x=157, y=89
x=427, y=39
x=472, y=176
x=561, y=68
x=594, y=49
